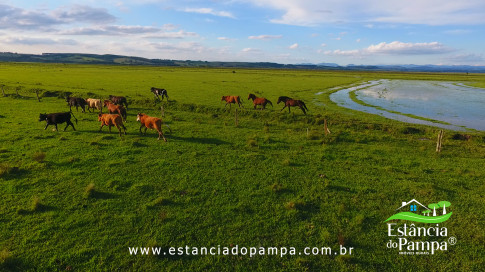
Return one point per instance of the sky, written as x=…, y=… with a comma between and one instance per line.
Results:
x=368, y=32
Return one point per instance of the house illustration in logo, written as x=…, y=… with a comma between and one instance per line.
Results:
x=412, y=211
x=413, y=206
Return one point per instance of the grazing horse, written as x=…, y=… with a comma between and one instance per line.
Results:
x=76, y=102
x=159, y=92
x=111, y=120
x=119, y=100
x=231, y=100
x=112, y=108
x=289, y=102
x=152, y=123
x=259, y=101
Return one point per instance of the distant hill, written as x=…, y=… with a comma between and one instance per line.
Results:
x=130, y=60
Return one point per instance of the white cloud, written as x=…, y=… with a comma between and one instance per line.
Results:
x=169, y=27
x=400, y=48
x=210, y=11
x=294, y=46
x=225, y=39
x=181, y=34
x=265, y=37
x=395, y=48
x=122, y=30
x=458, y=32
x=429, y=12
x=37, y=41
x=82, y=13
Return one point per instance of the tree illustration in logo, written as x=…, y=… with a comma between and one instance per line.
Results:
x=434, y=206
x=444, y=204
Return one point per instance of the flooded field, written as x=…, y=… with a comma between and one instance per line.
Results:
x=448, y=105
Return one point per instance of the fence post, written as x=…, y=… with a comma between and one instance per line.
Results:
x=162, y=110
x=439, y=141
x=3, y=91
x=37, y=93
x=325, y=127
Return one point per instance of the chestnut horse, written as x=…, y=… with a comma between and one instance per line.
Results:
x=152, y=123
x=259, y=101
x=231, y=100
x=289, y=102
x=111, y=120
x=112, y=108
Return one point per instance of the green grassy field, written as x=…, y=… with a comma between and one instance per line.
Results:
x=76, y=200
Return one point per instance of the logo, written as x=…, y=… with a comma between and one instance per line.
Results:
x=410, y=211
x=417, y=239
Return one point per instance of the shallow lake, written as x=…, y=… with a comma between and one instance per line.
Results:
x=448, y=105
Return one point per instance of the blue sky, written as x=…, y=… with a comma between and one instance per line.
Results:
x=441, y=32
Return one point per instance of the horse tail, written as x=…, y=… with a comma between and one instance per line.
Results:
x=74, y=117
x=303, y=104
x=122, y=114
x=267, y=100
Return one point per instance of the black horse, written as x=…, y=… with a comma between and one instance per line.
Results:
x=159, y=92
x=289, y=102
x=119, y=100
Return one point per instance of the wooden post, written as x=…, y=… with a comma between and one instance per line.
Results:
x=235, y=115
x=439, y=141
x=325, y=127
x=162, y=110
x=307, y=133
x=37, y=93
x=3, y=91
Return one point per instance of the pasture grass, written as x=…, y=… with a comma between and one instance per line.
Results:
x=274, y=180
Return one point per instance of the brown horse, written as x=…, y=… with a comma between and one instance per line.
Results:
x=259, y=101
x=111, y=120
x=231, y=100
x=152, y=123
x=112, y=108
x=289, y=102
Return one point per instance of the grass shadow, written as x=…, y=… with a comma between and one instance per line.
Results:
x=198, y=140
x=39, y=209
x=340, y=188
x=14, y=172
x=102, y=195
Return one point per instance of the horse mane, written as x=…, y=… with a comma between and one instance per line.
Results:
x=283, y=99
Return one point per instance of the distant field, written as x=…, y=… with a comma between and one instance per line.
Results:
x=76, y=200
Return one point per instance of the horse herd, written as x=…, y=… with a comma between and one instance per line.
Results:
x=117, y=108
x=261, y=101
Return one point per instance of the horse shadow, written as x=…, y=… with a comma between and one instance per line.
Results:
x=103, y=195
x=199, y=140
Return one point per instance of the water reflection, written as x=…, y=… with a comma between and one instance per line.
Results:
x=454, y=103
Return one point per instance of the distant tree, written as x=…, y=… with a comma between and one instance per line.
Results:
x=444, y=204
x=434, y=206
x=426, y=212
